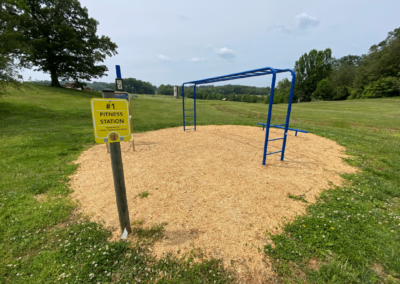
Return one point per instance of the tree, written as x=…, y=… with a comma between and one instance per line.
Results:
x=342, y=77
x=7, y=75
x=383, y=60
x=246, y=98
x=383, y=87
x=324, y=91
x=138, y=86
x=282, y=91
x=310, y=69
x=167, y=90
x=232, y=97
x=60, y=39
x=10, y=40
x=254, y=99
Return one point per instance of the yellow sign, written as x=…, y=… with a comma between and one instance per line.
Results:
x=111, y=121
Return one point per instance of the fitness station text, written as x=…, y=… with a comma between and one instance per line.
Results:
x=111, y=121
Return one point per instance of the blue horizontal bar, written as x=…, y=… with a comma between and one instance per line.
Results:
x=251, y=73
x=278, y=124
x=273, y=153
x=276, y=139
x=245, y=74
x=292, y=129
x=189, y=122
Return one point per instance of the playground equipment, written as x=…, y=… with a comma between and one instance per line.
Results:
x=241, y=75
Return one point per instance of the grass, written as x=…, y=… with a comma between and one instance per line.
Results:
x=352, y=233
x=143, y=194
x=298, y=197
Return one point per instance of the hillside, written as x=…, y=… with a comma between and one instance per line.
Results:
x=43, y=130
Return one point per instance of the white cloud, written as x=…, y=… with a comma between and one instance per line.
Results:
x=282, y=29
x=197, y=59
x=225, y=53
x=305, y=21
x=164, y=58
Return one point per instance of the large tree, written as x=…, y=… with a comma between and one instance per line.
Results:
x=60, y=39
x=310, y=69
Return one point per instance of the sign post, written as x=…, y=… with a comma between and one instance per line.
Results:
x=112, y=124
x=124, y=95
x=120, y=87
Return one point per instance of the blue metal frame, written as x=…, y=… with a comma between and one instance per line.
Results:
x=247, y=74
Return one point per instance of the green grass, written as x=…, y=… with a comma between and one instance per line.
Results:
x=143, y=194
x=352, y=232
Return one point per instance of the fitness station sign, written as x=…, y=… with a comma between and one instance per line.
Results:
x=111, y=121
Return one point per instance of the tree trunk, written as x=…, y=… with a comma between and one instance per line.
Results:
x=54, y=80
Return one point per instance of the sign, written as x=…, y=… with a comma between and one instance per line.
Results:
x=111, y=121
x=124, y=96
x=119, y=84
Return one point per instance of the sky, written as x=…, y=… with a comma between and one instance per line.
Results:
x=176, y=41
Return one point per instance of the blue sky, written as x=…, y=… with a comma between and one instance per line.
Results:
x=174, y=41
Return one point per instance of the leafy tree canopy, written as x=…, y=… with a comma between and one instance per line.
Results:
x=383, y=60
x=324, y=91
x=8, y=72
x=58, y=38
x=310, y=69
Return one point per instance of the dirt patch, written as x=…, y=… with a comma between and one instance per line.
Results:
x=314, y=264
x=40, y=197
x=211, y=188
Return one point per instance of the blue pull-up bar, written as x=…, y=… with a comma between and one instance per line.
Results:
x=246, y=74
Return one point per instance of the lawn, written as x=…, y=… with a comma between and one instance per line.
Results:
x=351, y=235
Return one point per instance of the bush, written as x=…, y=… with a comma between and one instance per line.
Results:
x=384, y=87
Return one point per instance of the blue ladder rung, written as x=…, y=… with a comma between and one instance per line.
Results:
x=189, y=122
x=273, y=153
x=276, y=139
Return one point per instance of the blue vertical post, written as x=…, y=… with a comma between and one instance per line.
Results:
x=194, y=97
x=183, y=105
x=288, y=113
x=271, y=100
x=118, y=69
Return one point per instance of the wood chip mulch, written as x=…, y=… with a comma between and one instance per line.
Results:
x=211, y=188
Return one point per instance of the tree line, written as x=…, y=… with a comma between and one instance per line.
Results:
x=229, y=92
x=131, y=85
x=319, y=76
x=372, y=75
x=59, y=38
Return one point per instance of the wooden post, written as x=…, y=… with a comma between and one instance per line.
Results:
x=119, y=179
x=119, y=185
